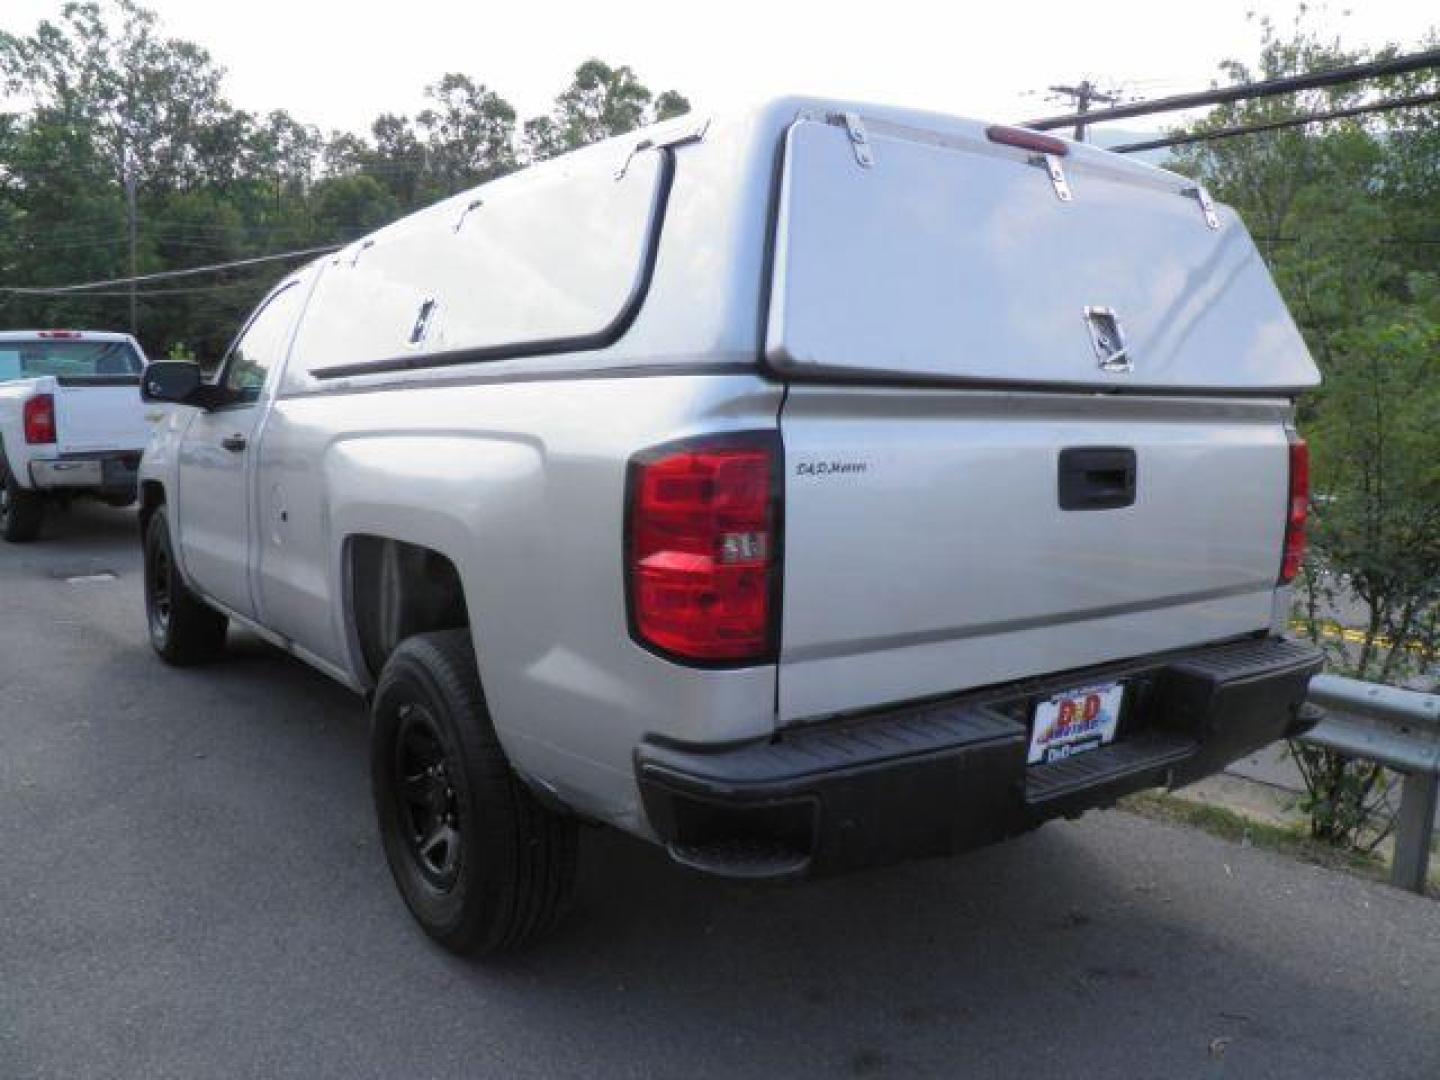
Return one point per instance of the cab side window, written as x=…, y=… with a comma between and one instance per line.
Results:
x=262, y=345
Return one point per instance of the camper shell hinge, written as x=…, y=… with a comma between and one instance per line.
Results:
x=675, y=136
x=1207, y=204
x=859, y=138
x=1051, y=164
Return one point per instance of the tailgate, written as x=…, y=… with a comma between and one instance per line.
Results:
x=951, y=257
x=937, y=541
x=92, y=417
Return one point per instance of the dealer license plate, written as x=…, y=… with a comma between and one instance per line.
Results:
x=1075, y=721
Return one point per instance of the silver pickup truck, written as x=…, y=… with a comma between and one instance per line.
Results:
x=805, y=490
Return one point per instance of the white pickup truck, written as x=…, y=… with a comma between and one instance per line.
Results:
x=804, y=490
x=71, y=422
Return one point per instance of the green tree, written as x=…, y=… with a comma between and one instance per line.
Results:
x=397, y=159
x=542, y=139
x=142, y=97
x=600, y=102
x=124, y=125
x=1345, y=213
x=345, y=207
x=285, y=152
x=192, y=228
x=123, y=121
x=671, y=104
x=64, y=220
x=469, y=134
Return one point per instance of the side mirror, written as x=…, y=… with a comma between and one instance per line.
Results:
x=177, y=381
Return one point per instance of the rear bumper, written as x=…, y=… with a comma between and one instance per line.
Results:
x=945, y=776
x=110, y=473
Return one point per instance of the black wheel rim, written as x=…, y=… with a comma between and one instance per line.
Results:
x=426, y=802
x=159, y=590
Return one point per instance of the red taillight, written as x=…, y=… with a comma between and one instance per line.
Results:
x=1296, y=509
x=40, y=419
x=702, y=550
x=1025, y=139
x=63, y=335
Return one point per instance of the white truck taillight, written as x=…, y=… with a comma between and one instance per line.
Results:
x=1296, y=509
x=40, y=420
x=702, y=548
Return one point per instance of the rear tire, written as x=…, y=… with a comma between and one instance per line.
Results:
x=184, y=630
x=482, y=865
x=21, y=511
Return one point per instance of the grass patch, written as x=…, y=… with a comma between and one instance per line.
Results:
x=1227, y=824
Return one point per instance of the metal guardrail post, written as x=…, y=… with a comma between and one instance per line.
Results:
x=1412, y=831
x=1400, y=729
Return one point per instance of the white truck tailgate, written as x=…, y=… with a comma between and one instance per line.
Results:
x=91, y=418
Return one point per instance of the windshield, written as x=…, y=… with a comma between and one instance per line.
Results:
x=67, y=359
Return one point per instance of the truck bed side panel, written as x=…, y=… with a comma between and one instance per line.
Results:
x=520, y=485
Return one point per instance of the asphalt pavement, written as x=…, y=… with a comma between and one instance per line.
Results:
x=191, y=886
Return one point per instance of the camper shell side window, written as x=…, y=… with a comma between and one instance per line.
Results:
x=550, y=260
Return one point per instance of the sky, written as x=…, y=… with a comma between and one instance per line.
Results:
x=339, y=65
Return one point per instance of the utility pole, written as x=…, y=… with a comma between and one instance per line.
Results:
x=1083, y=95
x=127, y=132
x=134, y=230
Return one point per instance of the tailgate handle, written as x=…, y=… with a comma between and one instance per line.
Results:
x=1097, y=477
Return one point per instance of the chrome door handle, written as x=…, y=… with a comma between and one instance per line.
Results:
x=234, y=443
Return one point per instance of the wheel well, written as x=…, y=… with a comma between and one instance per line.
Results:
x=152, y=497
x=398, y=590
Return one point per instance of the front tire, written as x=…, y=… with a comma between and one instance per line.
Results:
x=482, y=865
x=21, y=511
x=184, y=630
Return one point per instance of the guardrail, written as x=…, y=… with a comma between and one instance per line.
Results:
x=1400, y=729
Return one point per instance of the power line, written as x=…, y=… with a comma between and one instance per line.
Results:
x=44, y=236
x=54, y=290
x=1276, y=125
x=1403, y=241
x=1289, y=84
x=143, y=293
x=28, y=245
x=199, y=239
